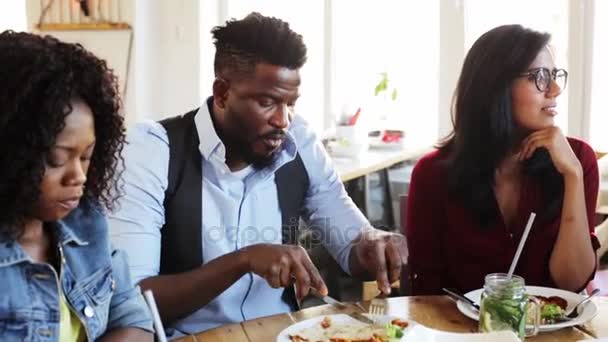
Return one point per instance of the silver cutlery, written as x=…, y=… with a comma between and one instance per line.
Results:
x=574, y=313
x=327, y=299
x=457, y=296
x=377, y=308
x=341, y=306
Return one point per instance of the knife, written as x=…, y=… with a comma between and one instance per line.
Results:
x=328, y=300
x=455, y=295
x=361, y=318
x=341, y=306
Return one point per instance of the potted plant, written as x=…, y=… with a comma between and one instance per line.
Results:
x=382, y=90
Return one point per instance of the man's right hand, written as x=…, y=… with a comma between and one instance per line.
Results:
x=281, y=265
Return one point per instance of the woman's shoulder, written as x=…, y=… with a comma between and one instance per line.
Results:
x=582, y=149
x=430, y=165
x=432, y=160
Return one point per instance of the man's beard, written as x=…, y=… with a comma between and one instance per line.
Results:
x=250, y=157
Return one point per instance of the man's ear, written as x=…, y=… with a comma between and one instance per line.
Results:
x=220, y=91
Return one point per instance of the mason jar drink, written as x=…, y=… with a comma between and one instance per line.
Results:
x=504, y=306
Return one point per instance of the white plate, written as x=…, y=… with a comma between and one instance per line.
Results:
x=589, y=311
x=414, y=332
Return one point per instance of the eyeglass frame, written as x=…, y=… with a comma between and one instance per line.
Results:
x=553, y=73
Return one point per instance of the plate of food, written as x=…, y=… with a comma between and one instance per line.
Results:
x=344, y=328
x=555, y=304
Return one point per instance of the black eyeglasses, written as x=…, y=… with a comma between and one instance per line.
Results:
x=543, y=77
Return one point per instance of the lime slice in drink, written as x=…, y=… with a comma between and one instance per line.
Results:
x=487, y=322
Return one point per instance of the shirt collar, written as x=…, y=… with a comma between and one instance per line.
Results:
x=11, y=252
x=65, y=228
x=209, y=141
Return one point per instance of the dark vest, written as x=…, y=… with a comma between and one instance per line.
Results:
x=181, y=241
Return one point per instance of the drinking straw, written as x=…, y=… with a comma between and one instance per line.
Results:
x=522, y=242
x=158, y=324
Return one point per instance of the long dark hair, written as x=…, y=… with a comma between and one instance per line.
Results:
x=484, y=130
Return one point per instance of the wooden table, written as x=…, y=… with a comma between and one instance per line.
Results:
x=438, y=312
x=374, y=160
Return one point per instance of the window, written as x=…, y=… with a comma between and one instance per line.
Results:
x=350, y=43
x=543, y=15
x=12, y=16
x=400, y=38
x=599, y=114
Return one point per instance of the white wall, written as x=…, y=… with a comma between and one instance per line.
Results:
x=12, y=15
x=165, y=63
x=168, y=57
x=451, y=57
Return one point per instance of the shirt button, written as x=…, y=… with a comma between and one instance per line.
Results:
x=88, y=311
x=45, y=332
x=113, y=285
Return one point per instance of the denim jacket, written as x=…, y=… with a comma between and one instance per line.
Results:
x=94, y=278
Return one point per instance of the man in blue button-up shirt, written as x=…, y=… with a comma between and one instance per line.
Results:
x=247, y=132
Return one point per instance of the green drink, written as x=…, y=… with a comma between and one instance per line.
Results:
x=504, y=305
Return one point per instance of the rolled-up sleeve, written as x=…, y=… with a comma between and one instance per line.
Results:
x=330, y=212
x=127, y=307
x=135, y=225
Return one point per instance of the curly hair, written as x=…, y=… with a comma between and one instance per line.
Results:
x=241, y=44
x=39, y=77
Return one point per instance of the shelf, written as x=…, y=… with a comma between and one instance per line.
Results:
x=84, y=27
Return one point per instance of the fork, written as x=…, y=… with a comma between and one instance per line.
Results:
x=574, y=313
x=377, y=307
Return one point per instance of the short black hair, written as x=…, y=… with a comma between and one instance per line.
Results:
x=241, y=44
x=39, y=77
x=484, y=129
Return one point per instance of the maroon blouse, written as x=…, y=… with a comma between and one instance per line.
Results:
x=447, y=248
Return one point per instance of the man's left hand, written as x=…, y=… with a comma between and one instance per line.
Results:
x=379, y=253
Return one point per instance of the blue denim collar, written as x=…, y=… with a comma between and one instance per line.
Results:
x=65, y=229
x=12, y=253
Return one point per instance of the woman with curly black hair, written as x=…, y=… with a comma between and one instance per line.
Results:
x=61, y=135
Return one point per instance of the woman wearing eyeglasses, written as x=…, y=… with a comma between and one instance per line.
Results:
x=469, y=201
